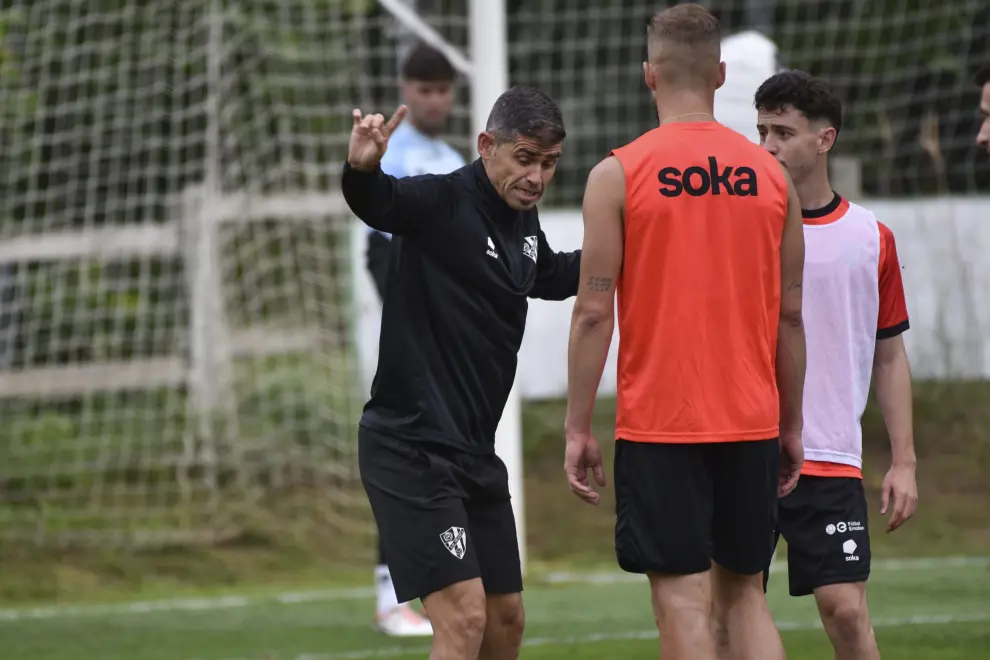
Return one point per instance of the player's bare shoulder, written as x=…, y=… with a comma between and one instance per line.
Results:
x=608, y=170
x=607, y=182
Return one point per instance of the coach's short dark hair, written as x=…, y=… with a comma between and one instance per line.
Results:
x=526, y=112
x=982, y=76
x=811, y=96
x=427, y=64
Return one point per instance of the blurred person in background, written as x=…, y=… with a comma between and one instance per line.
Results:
x=427, y=89
x=855, y=316
x=982, y=80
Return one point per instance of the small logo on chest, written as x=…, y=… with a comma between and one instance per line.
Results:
x=491, y=249
x=530, y=247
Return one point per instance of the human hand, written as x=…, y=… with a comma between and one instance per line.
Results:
x=369, y=138
x=900, y=486
x=791, y=460
x=580, y=455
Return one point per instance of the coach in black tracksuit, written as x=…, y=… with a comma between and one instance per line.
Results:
x=469, y=251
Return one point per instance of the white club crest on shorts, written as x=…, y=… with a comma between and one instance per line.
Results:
x=455, y=540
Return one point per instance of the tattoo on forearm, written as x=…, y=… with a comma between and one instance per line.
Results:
x=794, y=285
x=599, y=283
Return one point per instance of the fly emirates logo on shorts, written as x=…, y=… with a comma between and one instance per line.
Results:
x=848, y=546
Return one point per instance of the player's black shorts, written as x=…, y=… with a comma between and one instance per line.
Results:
x=680, y=506
x=824, y=521
x=443, y=516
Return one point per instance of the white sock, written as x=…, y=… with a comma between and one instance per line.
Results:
x=386, y=592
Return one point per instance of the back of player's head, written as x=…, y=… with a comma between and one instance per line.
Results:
x=684, y=46
x=427, y=64
x=526, y=112
x=811, y=96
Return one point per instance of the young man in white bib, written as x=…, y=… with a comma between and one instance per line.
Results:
x=854, y=316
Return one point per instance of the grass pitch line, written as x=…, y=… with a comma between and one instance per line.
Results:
x=182, y=604
x=779, y=567
x=419, y=651
x=233, y=602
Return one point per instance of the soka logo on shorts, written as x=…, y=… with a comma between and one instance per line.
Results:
x=849, y=548
x=455, y=540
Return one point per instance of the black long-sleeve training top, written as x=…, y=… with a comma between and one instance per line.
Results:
x=454, y=312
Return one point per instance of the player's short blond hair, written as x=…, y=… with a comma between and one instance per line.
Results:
x=685, y=41
x=688, y=24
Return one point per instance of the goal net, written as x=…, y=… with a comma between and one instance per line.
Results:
x=187, y=331
x=177, y=361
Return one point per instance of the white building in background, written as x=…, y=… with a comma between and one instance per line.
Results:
x=750, y=58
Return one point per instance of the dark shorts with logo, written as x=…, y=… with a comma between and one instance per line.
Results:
x=681, y=506
x=824, y=521
x=443, y=516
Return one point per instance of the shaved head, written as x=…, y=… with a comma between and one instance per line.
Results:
x=685, y=47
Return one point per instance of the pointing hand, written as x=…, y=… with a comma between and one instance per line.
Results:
x=369, y=138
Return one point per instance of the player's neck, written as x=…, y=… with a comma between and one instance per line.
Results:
x=428, y=134
x=815, y=192
x=685, y=107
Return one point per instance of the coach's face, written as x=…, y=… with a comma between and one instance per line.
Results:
x=983, y=137
x=793, y=140
x=521, y=170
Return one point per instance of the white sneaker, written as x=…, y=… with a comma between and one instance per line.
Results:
x=403, y=621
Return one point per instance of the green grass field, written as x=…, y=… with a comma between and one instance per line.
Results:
x=922, y=609
x=274, y=595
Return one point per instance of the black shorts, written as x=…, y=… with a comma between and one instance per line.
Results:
x=680, y=506
x=824, y=521
x=443, y=516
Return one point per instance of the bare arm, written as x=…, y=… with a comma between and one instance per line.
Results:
x=791, y=351
x=892, y=374
x=893, y=378
x=593, y=319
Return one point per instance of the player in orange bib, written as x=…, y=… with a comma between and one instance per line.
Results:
x=698, y=232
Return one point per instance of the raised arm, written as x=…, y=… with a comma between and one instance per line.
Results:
x=557, y=273
x=395, y=206
x=383, y=202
